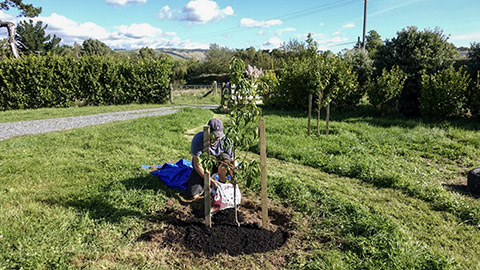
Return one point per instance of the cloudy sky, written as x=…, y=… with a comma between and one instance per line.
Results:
x=264, y=24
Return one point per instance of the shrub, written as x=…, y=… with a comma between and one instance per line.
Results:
x=385, y=91
x=415, y=51
x=473, y=65
x=62, y=81
x=361, y=63
x=343, y=84
x=443, y=94
x=267, y=87
x=296, y=82
x=473, y=102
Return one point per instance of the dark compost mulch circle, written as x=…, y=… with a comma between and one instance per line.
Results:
x=223, y=237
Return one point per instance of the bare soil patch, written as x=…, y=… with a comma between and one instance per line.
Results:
x=184, y=230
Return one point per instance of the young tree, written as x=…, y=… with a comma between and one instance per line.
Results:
x=32, y=38
x=26, y=10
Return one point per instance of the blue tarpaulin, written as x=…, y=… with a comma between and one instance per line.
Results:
x=175, y=175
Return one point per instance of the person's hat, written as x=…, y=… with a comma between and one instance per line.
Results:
x=216, y=126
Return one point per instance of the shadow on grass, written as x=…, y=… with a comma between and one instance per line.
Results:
x=97, y=207
x=151, y=182
x=461, y=189
x=368, y=115
x=100, y=206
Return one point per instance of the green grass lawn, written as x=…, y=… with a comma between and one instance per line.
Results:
x=191, y=97
x=377, y=193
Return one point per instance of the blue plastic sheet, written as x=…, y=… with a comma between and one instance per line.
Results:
x=175, y=175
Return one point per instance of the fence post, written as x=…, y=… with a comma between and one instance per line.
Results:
x=222, y=97
x=310, y=97
x=215, y=88
x=171, y=93
x=206, y=177
x=263, y=161
x=328, y=117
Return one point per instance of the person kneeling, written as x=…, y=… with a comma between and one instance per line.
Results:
x=221, y=147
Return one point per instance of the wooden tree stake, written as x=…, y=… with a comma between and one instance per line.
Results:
x=263, y=161
x=328, y=118
x=310, y=97
x=171, y=94
x=206, y=178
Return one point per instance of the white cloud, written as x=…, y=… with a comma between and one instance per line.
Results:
x=133, y=36
x=337, y=33
x=261, y=32
x=165, y=13
x=71, y=31
x=348, y=25
x=139, y=30
x=251, y=23
x=6, y=17
x=273, y=42
x=125, y=2
x=203, y=11
x=466, y=37
x=283, y=30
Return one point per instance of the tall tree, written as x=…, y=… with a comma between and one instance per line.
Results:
x=147, y=53
x=217, y=59
x=26, y=10
x=95, y=47
x=373, y=42
x=415, y=51
x=32, y=37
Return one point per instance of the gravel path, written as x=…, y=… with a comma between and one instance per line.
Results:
x=11, y=129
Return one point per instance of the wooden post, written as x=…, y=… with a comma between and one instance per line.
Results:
x=222, y=97
x=214, y=88
x=206, y=177
x=263, y=161
x=310, y=97
x=328, y=117
x=319, y=108
x=171, y=94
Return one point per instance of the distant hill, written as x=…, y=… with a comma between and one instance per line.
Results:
x=175, y=53
x=184, y=53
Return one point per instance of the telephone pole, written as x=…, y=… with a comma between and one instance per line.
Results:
x=364, y=22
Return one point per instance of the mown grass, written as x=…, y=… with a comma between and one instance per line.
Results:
x=359, y=226
x=77, y=199
x=192, y=97
x=196, y=96
x=46, y=113
x=71, y=198
x=418, y=158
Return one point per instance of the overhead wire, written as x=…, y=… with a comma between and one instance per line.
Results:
x=285, y=17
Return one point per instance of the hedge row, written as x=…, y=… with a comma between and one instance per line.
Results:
x=59, y=81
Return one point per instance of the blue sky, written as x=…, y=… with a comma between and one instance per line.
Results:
x=263, y=24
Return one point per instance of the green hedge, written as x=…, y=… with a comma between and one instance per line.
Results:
x=61, y=81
